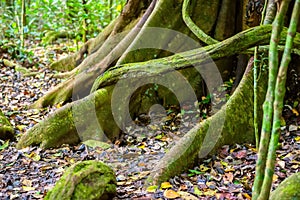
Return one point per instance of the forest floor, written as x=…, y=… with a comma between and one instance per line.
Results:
x=30, y=172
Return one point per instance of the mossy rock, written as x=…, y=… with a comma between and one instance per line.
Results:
x=90, y=180
x=288, y=189
x=6, y=129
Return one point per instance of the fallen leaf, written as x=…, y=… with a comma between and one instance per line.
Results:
x=4, y=145
x=247, y=196
x=281, y=163
x=210, y=193
x=293, y=127
x=295, y=112
x=151, y=188
x=295, y=166
x=166, y=185
x=96, y=143
x=197, y=191
x=21, y=127
x=275, y=177
x=27, y=189
x=241, y=154
x=171, y=194
x=203, y=168
x=187, y=196
x=228, y=177
x=27, y=182
x=223, y=195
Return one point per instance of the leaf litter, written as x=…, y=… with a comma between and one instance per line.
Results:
x=30, y=172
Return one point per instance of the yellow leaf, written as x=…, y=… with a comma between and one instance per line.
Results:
x=297, y=138
x=295, y=166
x=27, y=189
x=225, y=164
x=246, y=196
x=203, y=168
x=59, y=105
x=210, y=193
x=229, y=169
x=295, y=112
x=232, y=150
x=33, y=156
x=171, y=194
x=36, y=157
x=152, y=188
x=275, y=177
x=166, y=185
x=21, y=127
x=119, y=7
x=197, y=191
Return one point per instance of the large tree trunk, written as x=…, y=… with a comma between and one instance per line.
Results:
x=136, y=50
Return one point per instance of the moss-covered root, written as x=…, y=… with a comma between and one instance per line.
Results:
x=81, y=120
x=91, y=180
x=6, y=129
x=51, y=36
x=227, y=126
x=288, y=189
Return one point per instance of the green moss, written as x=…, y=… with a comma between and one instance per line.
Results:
x=85, y=180
x=210, y=135
x=288, y=189
x=6, y=129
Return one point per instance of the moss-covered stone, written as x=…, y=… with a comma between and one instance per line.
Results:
x=6, y=129
x=90, y=180
x=288, y=189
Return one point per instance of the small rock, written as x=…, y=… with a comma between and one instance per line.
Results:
x=85, y=180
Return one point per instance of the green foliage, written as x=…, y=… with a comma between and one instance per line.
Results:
x=193, y=172
x=4, y=144
x=55, y=15
x=15, y=50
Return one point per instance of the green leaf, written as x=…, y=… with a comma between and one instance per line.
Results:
x=4, y=144
x=197, y=191
x=96, y=143
x=194, y=172
x=151, y=188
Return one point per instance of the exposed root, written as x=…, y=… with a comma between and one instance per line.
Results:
x=228, y=126
x=88, y=118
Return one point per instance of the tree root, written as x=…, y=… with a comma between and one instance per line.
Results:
x=212, y=134
x=83, y=81
x=288, y=189
x=104, y=42
x=80, y=122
